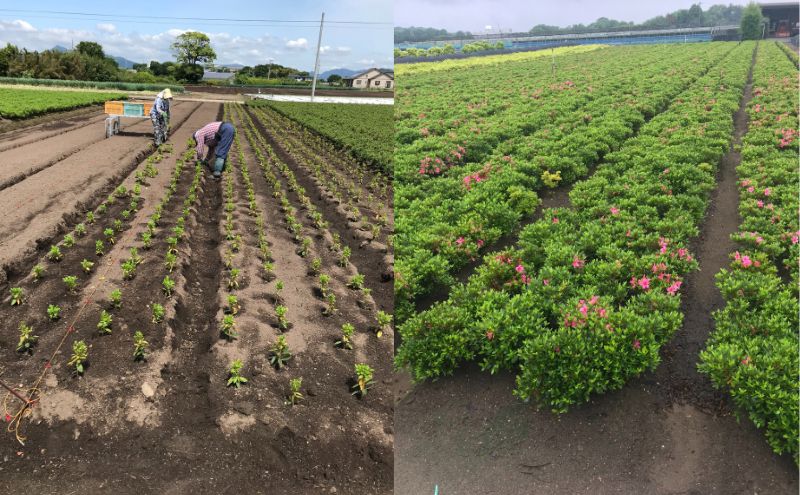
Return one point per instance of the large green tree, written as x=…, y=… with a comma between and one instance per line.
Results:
x=193, y=47
x=90, y=48
x=751, y=22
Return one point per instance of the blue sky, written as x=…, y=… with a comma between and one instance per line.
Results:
x=144, y=39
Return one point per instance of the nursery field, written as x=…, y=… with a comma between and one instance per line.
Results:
x=367, y=131
x=562, y=230
x=202, y=333
x=18, y=103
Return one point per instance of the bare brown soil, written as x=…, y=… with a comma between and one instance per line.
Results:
x=666, y=432
x=169, y=424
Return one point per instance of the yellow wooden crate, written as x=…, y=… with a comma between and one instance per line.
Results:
x=128, y=109
x=114, y=107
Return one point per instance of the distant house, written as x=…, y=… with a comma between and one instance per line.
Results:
x=218, y=76
x=371, y=79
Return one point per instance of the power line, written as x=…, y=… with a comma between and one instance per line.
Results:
x=224, y=19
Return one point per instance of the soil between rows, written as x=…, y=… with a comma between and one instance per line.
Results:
x=666, y=432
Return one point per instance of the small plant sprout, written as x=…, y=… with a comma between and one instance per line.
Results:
x=104, y=325
x=324, y=283
x=71, y=281
x=126, y=214
x=38, y=271
x=90, y=217
x=16, y=296
x=118, y=225
x=135, y=256
x=227, y=259
x=168, y=284
x=233, y=304
x=80, y=353
x=115, y=298
x=109, y=233
x=268, y=267
x=235, y=379
x=236, y=243
x=102, y=209
x=280, y=353
x=384, y=323
x=68, y=241
x=316, y=266
x=357, y=282
x=87, y=265
x=228, y=327
x=345, y=256
x=295, y=395
x=147, y=239
x=158, y=313
x=346, y=342
x=170, y=260
x=330, y=300
x=53, y=312
x=363, y=379
x=233, y=279
x=99, y=247
x=279, y=286
x=365, y=293
x=128, y=269
x=80, y=230
x=26, y=338
x=305, y=245
x=55, y=254
x=139, y=346
x=280, y=312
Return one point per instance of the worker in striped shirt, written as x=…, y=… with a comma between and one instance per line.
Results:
x=218, y=137
x=159, y=115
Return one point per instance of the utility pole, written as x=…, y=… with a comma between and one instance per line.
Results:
x=316, y=64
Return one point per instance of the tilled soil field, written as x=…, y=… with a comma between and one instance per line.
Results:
x=178, y=245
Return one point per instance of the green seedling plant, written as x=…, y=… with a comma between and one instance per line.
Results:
x=356, y=282
x=139, y=346
x=158, y=313
x=324, y=284
x=147, y=239
x=269, y=269
x=172, y=244
x=280, y=312
x=53, y=312
x=16, y=296
x=55, y=254
x=38, y=271
x=99, y=247
x=295, y=395
x=115, y=298
x=80, y=353
x=128, y=269
x=109, y=233
x=87, y=265
x=346, y=341
x=26, y=338
x=384, y=323
x=118, y=227
x=68, y=241
x=279, y=286
x=228, y=327
x=80, y=229
x=235, y=378
x=227, y=259
x=305, y=245
x=135, y=256
x=345, y=256
x=280, y=353
x=233, y=304
x=233, y=279
x=71, y=281
x=170, y=260
x=330, y=301
x=236, y=243
x=168, y=285
x=363, y=379
x=316, y=266
x=102, y=209
x=104, y=325
x=90, y=217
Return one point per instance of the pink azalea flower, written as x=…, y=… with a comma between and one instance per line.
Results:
x=673, y=289
x=751, y=189
x=636, y=344
x=759, y=239
x=760, y=203
x=614, y=211
x=737, y=256
x=644, y=283
x=546, y=281
x=795, y=239
x=603, y=313
x=746, y=261
x=770, y=206
x=628, y=233
x=594, y=300
x=520, y=269
x=555, y=219
x=480, y=242
x=767, y=192
x=583, y=309
x=460, y=241
x=633, y=282
x=577, y=262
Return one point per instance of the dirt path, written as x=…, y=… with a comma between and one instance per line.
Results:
x=37, y=207
x=666, y=432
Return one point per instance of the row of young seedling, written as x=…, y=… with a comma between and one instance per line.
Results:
x=342, y=187
x=56, y=253
x=279, y=352
x=130, y=264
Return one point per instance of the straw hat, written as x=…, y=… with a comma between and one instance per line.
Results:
x=167, y=93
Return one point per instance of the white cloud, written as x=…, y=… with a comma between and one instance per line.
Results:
x=298, y=44
x=106, y=27
x=17, y=25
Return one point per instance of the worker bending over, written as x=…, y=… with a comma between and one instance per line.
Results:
x=218, y=136
x=159, y=114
